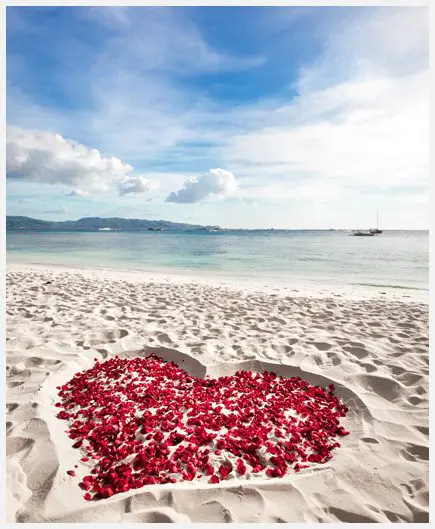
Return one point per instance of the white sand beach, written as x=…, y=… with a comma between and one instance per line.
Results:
x=373, y=346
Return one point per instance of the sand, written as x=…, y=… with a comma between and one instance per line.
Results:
x=373, y=346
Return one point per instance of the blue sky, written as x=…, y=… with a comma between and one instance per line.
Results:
x=243, y=117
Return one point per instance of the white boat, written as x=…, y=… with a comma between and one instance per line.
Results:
x=362, y=233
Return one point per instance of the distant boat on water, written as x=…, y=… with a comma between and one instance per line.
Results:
x=363, y=233
x=377, y=229
x=371, y=232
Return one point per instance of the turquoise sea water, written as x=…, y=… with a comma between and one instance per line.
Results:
x=395, y=259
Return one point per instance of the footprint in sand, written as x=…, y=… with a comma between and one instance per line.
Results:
x=164, y=338
x=410, y=379
x=105, y=337
x=413, y=452
x=103, y=352
x=16, y=444
x=369, y=440
x=397, y=370
x=359, y=352
x=416, y=497
x=370, y=368
x=11, y=407
x=349, y=516
x=11, y=384
x=384, y=387
x=213, y=510
x=414, y=400
x=36, y=361
x=282, y=350
x=334, y=358
x=322, y=346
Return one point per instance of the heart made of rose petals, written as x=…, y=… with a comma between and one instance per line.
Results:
x=144, y=421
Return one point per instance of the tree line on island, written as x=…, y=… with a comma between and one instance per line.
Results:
x=102, y=224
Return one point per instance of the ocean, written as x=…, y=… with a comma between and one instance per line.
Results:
x=394, y=259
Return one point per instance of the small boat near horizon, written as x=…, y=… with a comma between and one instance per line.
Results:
x=362, y=233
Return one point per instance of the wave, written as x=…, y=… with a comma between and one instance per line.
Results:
x=388, y=286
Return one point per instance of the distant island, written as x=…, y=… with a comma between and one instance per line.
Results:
x=102, y=224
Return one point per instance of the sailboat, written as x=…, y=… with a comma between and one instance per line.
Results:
x=362, y=233
x=377, y=229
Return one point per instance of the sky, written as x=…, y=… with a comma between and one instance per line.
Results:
x=249, y=117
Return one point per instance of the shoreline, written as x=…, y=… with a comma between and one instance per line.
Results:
x=208, y=279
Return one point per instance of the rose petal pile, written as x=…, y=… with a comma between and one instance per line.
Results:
x=145, y=421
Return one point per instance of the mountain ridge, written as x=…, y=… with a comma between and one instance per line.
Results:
x=17, y=222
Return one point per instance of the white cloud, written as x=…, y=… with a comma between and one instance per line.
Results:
x=46, y=157
x=162, y=40
x=360, y=119
x=372, y=44
x=134, y=185
x=216, y=184
x=78, y=193
x=376, y=135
